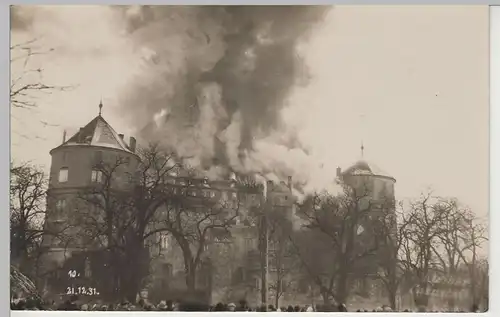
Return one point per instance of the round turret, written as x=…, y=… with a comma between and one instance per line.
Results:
x=76, y=166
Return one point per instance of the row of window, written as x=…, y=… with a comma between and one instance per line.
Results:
x=204, y=193
x=225, y=196
x=96, y=176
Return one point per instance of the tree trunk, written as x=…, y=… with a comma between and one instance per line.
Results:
x=189, y=269
x=392, y=298
x=278, y=291
x=326, y=298
x=132, y=287
x=191, y=279
x=137, y=259
x=341, y=289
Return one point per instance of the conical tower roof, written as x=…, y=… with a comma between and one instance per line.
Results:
x=363, y=167
x=97, y=132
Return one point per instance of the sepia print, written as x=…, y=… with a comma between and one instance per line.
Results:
x=224, y=158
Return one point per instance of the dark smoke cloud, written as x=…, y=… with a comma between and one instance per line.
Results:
x=215, y=78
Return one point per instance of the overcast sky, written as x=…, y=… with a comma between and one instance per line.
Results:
x=411, y=82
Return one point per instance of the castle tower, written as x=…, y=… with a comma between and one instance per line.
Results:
x=375, y=188
x=73, y=170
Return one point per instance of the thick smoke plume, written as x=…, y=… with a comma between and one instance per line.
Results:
x=216, y=78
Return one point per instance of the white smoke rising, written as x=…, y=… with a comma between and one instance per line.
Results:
x=159, y=117
x=231, y=137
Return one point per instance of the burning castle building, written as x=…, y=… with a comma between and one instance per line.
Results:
x=230, y=267
x=73, y=171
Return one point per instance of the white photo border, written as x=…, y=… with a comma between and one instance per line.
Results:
x=494, y=256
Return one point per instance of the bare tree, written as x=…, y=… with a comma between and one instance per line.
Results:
x=28, y=220
x=119, y=210
x=456, y=245
x=157, y=200
x=28, y=185
x=471, y=237
x=194, y=218
x=424, y=218
x=344, y=225
x=27, y=82
x=317, y=260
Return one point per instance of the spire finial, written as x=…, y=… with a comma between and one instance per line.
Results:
x=100, y=107
x=362, y=149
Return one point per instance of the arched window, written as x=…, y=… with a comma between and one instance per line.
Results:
x=63, y=175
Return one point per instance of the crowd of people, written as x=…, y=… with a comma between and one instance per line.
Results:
x=73, y=304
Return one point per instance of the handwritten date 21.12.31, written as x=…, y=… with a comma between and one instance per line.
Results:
x=81, y=290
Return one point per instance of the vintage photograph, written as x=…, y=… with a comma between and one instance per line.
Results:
x=249, y=158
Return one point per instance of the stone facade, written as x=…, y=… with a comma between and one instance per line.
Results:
x=235, y=259
x=73, y=171
x=231, y=264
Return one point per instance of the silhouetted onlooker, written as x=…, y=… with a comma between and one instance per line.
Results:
x=342, y=308
x=170, y=305
x=219, y=307
x=242, y=305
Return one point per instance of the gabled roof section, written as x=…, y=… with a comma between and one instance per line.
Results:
x=98, y=133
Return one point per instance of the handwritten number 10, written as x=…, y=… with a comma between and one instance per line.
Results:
x=72, y=273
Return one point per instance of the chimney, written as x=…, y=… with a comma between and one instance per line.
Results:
x=339, y=172
x=64, y=136
x=269, y=185
x=121, y=136
x=268, y=189
x=290, y=183
x=132, y=144
x=80, y=135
